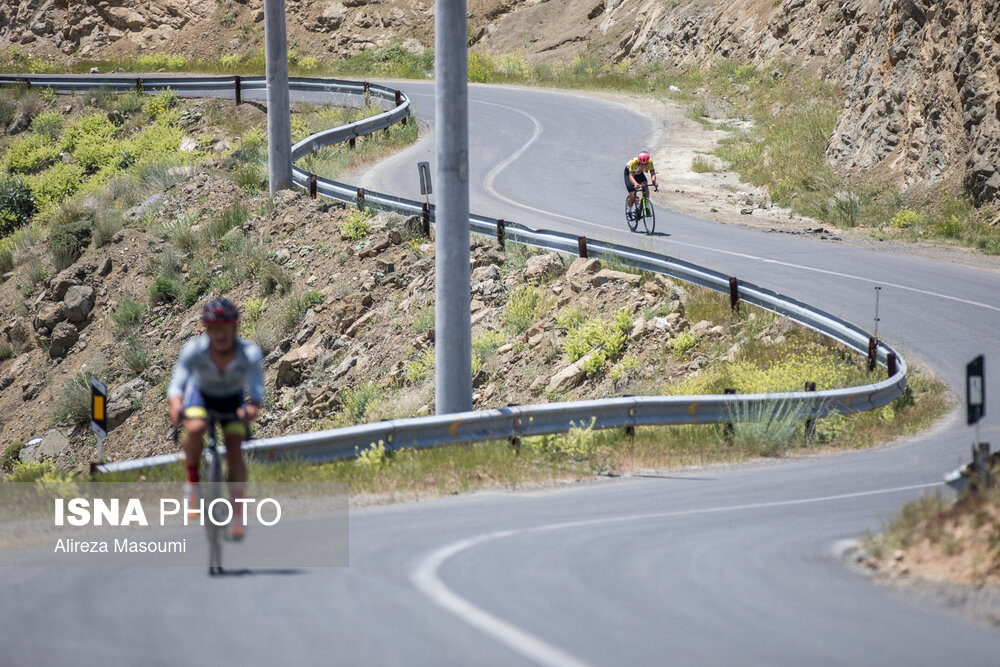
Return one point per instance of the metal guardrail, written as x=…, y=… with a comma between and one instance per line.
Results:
x=515, y=421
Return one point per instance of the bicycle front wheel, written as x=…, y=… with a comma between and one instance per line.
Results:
x=649, y=220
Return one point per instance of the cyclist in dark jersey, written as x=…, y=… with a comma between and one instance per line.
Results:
x=222, y=372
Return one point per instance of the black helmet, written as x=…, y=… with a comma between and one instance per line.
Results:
x=220, y=311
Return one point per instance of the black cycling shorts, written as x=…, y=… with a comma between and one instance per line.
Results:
x=628, y=181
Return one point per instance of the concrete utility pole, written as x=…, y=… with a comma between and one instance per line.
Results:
x=453, y=336
x=279, y=125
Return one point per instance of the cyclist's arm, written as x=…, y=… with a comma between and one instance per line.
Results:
x=255, y=380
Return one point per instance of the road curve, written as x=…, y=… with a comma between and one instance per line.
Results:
x=727, y=565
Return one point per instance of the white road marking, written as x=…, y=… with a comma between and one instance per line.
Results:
x=425, y=577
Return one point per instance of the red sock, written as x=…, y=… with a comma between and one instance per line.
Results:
x=192, y=472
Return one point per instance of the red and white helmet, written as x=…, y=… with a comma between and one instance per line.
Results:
x=220, y=311
x=643, y=157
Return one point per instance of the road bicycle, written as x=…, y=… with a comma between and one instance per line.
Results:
x=215, y=524
x=642, y=211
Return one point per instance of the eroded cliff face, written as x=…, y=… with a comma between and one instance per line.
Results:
x=922, y=78
x=207, y=28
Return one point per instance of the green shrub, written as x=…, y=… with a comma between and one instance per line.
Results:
x=486, y=343
x=17, y=204
x=11, y=456
x=570, y=317
x=231, y=217
x=164, y=289
x=357, y=401
x=30, y=154
x=6, y=258
x=134, y=354
x=421, y=368
x=129, y=102
x=87, y=129
x=354, y=225
x=6, y=351
x=683, y=342
x=702, y=165
x=523, y=308
x=30, y=471
x=194, y=287
x=592, y=334
x=768, y=428
x=152, y=62
x=248, y=177
x=424, y=319
x=74, y=399
x=128, y=315
x=906, y=218
x=67, y=242
x=274, y=278
x=160, y=103
x=106, y=226
x=55, y=185
x=311, y=299
x=7, y=110
x=48, y=124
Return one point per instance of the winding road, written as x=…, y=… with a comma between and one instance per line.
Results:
x=715, y=566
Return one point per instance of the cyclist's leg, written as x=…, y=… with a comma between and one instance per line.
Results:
x=235, y=432
x=631, y=190
x=194, y=415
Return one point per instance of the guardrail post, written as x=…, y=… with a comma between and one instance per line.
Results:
x=515, y=441
x=810, y=432
x=425, y=219
x=237, y=90
x=892, y=364
x=734, y=294
x=138, y=84
x=351, y=142
x=312, y=186
x=500, y=233
x=872, y=353
x=582, y=245
x=26, y=81
x=729, y=431
x=361, y=199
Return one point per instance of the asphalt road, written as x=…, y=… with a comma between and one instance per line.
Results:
x=721, y=566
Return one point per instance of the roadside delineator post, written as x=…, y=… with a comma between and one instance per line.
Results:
x=501, y=230
x=892, y=364
x=734, y=294
x=582, y=245
x=810, y=432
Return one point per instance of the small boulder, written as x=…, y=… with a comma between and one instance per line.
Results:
x=49, y=316
x=64, y=336
x=61, y=285
x=294, y=362
x=543, y=267
x=570, y=376
x=78, y=303
x=52, y=444
x=124, y=400
x=583, y=265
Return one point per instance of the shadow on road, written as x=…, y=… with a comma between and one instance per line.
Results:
x=680, y=479
x=261, y=571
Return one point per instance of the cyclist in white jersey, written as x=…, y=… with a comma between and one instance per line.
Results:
x=222, y=372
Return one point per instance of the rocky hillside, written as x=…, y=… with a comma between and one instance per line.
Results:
x=342, y=307
x=921, y=79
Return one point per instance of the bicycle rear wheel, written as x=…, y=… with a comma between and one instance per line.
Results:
x=649, y=220
x=633, y=223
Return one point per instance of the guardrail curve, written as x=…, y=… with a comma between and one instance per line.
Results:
x=514, y=421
